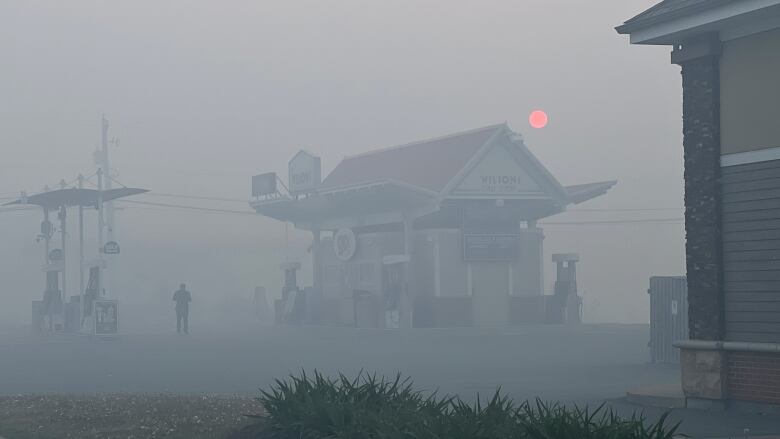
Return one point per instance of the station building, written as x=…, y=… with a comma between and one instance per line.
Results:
x=439, y=232
x=729, y=57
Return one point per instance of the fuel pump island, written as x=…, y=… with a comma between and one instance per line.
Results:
x=92, y=311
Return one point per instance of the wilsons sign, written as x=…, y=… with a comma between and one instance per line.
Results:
x=498, y=173
x=305, y=173
x=502, y=184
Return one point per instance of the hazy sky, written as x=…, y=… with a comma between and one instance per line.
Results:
x=204, y=94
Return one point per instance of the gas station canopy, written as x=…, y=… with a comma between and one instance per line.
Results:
x=75, y=197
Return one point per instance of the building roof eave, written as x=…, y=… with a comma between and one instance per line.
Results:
x=583, y=192
x=686, y=22
x=674, y=9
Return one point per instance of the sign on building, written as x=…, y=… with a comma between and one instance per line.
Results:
x=264, y=184
x=490, y=247
x=345, y=244
x=497, y=174
x=111, y=248
x=56, y=255
x=305, y=173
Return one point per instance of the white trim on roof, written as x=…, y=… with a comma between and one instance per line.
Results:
x=744, y=158
x=473, y=161
x=550, y=186
x=673, y=31
x=539, y=166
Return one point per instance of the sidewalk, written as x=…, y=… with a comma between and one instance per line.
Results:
x=749, y=437
x=663, y=396
x=706, y=424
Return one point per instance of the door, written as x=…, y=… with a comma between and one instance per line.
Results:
x=490, y=290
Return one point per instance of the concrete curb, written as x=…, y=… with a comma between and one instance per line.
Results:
x=662, y=397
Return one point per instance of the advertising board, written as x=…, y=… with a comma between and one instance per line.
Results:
x=264, y=184
x=106, y=317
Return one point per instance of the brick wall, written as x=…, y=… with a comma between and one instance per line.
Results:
x=754, y=376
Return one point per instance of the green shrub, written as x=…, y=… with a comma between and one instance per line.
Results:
x=367, y=407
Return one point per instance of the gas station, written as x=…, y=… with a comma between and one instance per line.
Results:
x=436, y=233
x=91, y=311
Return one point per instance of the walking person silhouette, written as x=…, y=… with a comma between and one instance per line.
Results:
x=182, y=297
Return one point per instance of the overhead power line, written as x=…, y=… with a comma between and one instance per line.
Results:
x=556, y=223
x=174, y=208
x=176, y=211
x=17, y=208
x=170, y=207
x=644, y=209
x=610, y=222
x=244, y=201
x=195, y=197
x=195, y=208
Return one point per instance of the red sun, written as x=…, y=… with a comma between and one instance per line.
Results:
x=538, y=119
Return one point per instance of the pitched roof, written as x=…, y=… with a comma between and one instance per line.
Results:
x=667, y=10
x=427, y=164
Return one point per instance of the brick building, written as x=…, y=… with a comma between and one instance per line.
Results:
x=729, y=53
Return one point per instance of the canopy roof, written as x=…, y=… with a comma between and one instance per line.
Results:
x=75, y=197
x=365, y=200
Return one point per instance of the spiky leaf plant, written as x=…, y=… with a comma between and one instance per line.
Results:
x=371, y=407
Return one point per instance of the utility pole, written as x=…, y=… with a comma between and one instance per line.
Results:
x=81, y=254
x=63, y=232
x=100, y=233
x=106, y=167
x=47, y=231
x=107, y=211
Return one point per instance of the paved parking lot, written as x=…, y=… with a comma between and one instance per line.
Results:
x=586, y=364
x=573, y=364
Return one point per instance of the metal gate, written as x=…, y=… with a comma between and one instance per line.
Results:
x=668, y=317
